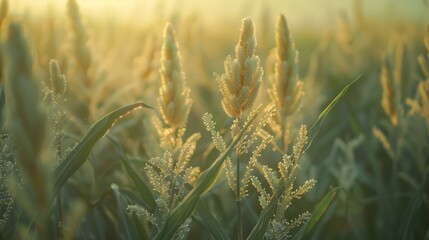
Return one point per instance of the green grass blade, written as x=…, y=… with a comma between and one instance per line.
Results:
x=142, y=188
x=2, y=104
x=81, y=152
x=318, y=213
x=132, y=196
x=334, y=102
x=315, y=128
x=259, y=230
x=1, y=235
x=414, y=206
x=127, y=229
x=204, y=182
x=210, y=223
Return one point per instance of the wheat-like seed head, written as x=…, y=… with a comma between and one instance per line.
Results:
x=344, y=34
x=27, y=120
x=288, y=169
x=388, y=100
x=383, y=140
x=286, y=89
x=301, y=141
x=56, y=99
x=424, y=95
x=26, y=116
x=422, y=59
x=81, y=51
x=240, y=83
x=143, y=212
x=426, y=38
x=149, y=60
x=170, y=177
x=423, y=88
x=4, y=8
x=174, y=101
x=58, y=80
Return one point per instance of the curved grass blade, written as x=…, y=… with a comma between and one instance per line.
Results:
x=127, y=229
x=209, y=222
x=318, y=213
x=259, y=230
x=204, y=182
x=142, y=188
x=315, y=128
x=81, y=152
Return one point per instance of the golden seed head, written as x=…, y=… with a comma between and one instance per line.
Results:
x=382, y=139
x=80, y=38
x=174, y=101
x=240, y=83
x=424, y=95
x=58, y=80
x=388, y=99
x=286, y=89
x=283, y=40
x=426, y=38
x=4, y=8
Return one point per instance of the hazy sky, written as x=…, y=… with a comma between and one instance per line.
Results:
x=299, y=12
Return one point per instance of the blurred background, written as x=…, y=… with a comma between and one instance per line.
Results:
x=382, y=164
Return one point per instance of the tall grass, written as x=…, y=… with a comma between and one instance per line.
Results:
x=211, y=156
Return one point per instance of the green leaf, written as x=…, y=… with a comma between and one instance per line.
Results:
x=413, y=207
x=209, y=222
x=127, y=228
x=80, y=153
x=2, y=104
x=204, y=182
x=315, y=128
x=334, y=102
x=318, y=213
x=259, y=230
x=142, y=188
x=133, y=196
x=1, y=235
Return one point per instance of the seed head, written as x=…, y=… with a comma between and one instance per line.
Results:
x=286, y=89
x=240, y=83
x=173, y=100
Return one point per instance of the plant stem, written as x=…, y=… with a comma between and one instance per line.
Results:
x=238, y=195
x=60, y=216
x=283, y=140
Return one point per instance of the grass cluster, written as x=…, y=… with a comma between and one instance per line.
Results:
x=254, y=151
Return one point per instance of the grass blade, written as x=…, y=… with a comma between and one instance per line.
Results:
x=204, y=182
x=81, y=152
x=318, y=213
x=127, y=229
x=259, y=230
x=210, y=223
x=414, y=205
x=2, y=104
x=132, y=196
x=142, y=188
x=315, y=128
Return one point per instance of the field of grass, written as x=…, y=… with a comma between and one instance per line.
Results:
x=176, y=122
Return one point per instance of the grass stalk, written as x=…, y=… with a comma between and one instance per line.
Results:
x=238, y=195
